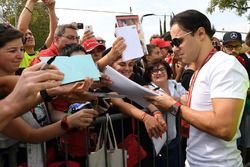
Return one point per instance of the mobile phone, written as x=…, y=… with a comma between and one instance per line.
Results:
x=89, y=28
x=79, y=25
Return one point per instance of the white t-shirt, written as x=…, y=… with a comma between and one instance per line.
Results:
x=221, y=77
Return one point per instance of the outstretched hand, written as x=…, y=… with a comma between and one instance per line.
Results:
x=82, y=119
x=74, y=93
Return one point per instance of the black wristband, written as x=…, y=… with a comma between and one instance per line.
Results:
x=46, y=96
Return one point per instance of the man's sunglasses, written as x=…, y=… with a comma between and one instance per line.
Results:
x=4, y=27
x=178, y=41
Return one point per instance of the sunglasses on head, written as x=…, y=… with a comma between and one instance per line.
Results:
x=4, y=27
x=178, y=41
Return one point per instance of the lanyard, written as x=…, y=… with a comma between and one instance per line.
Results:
x=210, y=54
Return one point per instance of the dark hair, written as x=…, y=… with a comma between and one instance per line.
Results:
x=167, y=36
x=150, y=48
x=70, y=48
x=248, y=39
x=8, y=33
x=148, y=70
x=192, y=20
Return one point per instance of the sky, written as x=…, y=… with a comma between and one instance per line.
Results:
x=103, y=23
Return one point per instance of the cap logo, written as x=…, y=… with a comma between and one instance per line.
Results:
x=233, y=35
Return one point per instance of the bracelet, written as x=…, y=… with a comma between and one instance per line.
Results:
x=28, y=9
x=157, y=113
x=64, y=123
x=156, y=110
x=143, y=116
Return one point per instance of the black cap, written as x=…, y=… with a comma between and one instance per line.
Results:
x=232, y=36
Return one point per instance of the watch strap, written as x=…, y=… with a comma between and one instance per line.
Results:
x=175, y=108
x=46, y=96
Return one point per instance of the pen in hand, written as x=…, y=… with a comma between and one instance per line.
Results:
x=45, y=66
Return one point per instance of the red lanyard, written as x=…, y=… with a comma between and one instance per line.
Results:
x=210, y=54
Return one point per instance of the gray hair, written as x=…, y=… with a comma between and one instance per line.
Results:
x=61, y=29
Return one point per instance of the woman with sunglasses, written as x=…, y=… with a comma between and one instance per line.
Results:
x=11, y=54
x=159, y=76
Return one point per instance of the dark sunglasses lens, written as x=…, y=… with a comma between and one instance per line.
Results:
x=176, y=42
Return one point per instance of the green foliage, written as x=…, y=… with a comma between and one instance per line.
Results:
x=164, y=30
x=160, y=28
x=39, y=22
x=241, y=6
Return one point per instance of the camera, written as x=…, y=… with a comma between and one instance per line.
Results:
x=79, y=25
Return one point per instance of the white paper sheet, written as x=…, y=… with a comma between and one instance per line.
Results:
x=159, y=142
x=131, y=37
x=127, y=87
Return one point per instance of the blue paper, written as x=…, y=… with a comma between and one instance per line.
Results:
x=75, y=68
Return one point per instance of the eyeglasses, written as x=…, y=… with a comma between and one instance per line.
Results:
x=178, y=41
x=157, y=70
x=215, y=43
x=231, y=47
x=71, y=37
x=4, y=27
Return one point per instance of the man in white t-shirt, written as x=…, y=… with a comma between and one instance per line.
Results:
x=216, y=98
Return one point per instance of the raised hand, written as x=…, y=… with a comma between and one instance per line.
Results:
x=117, y=49
x=87, y=35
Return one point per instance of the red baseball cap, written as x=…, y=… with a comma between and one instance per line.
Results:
x=160, y=43
x=91, y=44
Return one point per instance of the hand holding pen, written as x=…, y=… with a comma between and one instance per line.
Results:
x=46, y=66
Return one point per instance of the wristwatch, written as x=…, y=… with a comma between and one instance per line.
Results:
x=64, y=123
x=175, y=108
x=46, y=96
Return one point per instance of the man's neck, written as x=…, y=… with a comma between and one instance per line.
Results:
x=204, y=52
x=30, y=50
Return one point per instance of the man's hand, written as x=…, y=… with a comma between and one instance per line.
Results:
x=163, y=102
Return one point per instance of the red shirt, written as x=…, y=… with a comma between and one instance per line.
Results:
x=51, y=51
